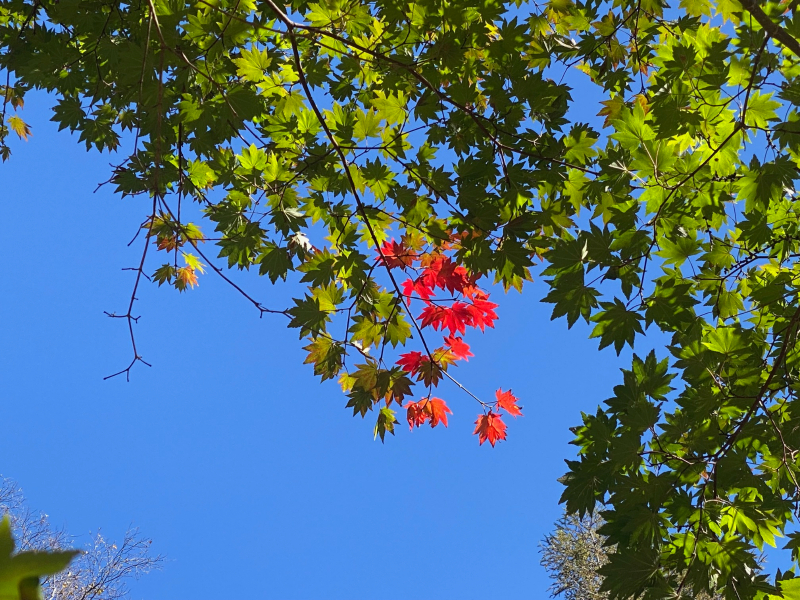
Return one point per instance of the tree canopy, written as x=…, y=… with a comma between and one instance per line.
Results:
x=401, y=158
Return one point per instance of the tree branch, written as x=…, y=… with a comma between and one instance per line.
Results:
x=773, y=30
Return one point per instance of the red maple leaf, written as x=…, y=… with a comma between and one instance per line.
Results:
x=457, y=280
x=508, y=402
x=439, y=411
x=411, y=361
x=490, y=427
x=455, y=318
x=432, y=315
x=458, y=316
x=482, y=311
x=396, y=255
x=443, y=273
x=410, y=286
x=415, y=413
x=458, y=347
x=433, y=410
x=421, y=365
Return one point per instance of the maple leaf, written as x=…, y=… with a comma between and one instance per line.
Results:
x=168, y=243
x=455, y=318
x=186, y=277
x=490, y=427
x=430, y=373
x=433, y=410
x=444, y=356
x=481, y=311
x=415, y=413
x=410, y=286
x=393, y=255
x=611, y=110
x=20, y=127
x=438, y=410
x=457, y=346
x=432, y=315
x=411, y=361
x=420, y=365
x=508, y=402
x=443, y=273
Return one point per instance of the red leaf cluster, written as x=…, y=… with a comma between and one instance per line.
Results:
x=459, y=315
x=433, y=410
x=470, y=307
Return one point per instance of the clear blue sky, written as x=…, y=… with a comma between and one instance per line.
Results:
x=247, y=473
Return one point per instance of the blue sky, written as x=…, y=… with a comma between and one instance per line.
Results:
x=248, y=474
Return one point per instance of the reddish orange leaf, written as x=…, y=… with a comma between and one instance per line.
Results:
x=433, y=410
x=508, y=402
x=410, y=286
x=445, y=274
x=458, y=347
x=186, y=278
x=411, y=361
x=455, y=317
x=396, y=255
x=439, y=411
x=490, y=427
x=482, y=311
x=415, y=413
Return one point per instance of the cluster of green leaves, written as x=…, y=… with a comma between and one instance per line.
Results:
x=310, y=134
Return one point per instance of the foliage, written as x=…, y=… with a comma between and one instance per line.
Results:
x=100, y=571
x=399, y=156
x=573, y=556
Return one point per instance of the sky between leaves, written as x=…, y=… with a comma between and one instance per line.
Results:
x=229, y=450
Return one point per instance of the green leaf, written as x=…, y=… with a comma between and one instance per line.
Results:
x=253, y=64
x=628, y=572
x=386, y=422
x=327, y=357
x=616, y=324
x=308, y=316
x=725, y=340
x=274, y=262
x=761, y=110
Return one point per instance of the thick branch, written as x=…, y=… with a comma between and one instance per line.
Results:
x=773, y=30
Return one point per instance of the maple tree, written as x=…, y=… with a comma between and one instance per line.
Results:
x=404, y=158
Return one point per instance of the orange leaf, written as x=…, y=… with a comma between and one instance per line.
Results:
x=490, y=427
x=186, y=278
x=433, y=410
x=439, y=411
x=458, y=347
x=168, y=243
x=415, y=414
x=508, y=402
